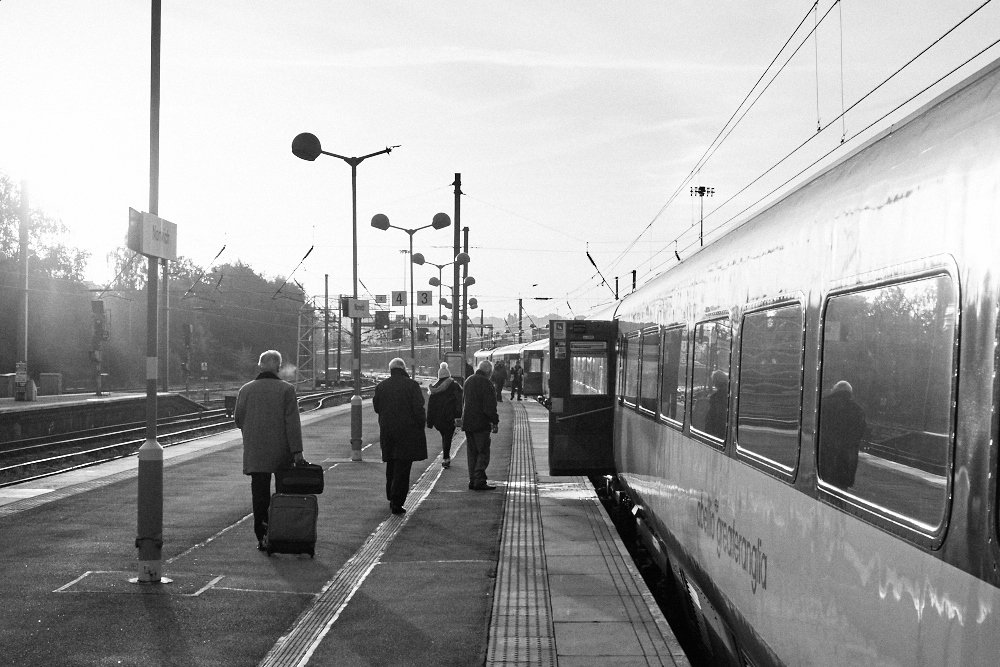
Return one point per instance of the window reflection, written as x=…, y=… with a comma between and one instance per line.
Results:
x=672, y=382
x=710, y=386
x=770, y=399
x=885, y=414
x=631, y=368
x=650, y=370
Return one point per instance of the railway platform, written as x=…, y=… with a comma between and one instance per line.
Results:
x=532, y=573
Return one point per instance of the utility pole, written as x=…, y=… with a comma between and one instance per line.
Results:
x=701, y=192
x=456, y=338
x=465, y=291
x=520, y=320
x=326, y=331
x=23, y=384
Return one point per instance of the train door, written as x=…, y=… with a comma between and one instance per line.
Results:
x=583, y=363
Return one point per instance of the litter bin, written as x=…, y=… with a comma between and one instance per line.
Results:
x=230, y=402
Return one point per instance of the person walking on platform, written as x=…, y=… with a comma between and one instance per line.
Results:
x=444, y=407
x=516, y=380
x=267, y=412
x=479, y=420
x=399, y=403
x=498, y=377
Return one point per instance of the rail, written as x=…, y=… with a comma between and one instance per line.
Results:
x=34, y=458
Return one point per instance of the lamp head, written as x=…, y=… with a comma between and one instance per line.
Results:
x=380, y=221
x=469, y=280
x=462, y=258
x=418, y=258
x=473, y=303
x=306, y=146
x=434, y=282
x=440, y=221
x=444, y=302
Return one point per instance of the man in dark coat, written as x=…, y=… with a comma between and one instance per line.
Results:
x=399, y=403
x=842, y=426
x=516, y=380
x=499, y=378
x=479, y=420
x=267, y=412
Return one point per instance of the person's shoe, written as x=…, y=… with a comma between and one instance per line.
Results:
x=260, y=545
x=446, y=462
x=397, y=509
x=483, y=487
x=471, y=486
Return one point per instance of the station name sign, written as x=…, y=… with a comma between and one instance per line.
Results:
x=151, y=235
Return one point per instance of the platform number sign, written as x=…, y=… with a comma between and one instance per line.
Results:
x=425, y=298
x=398, y=298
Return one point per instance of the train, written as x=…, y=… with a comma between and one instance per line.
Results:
x=806, y=408
x=534, y=360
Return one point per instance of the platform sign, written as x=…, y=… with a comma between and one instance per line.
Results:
x=582, y=388
x=399, y=297
x=151, y=235
x=21, y=373
x=425, y=298
x=380, y=298
x=357, y=308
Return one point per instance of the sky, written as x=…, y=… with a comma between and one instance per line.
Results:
x=577, y=127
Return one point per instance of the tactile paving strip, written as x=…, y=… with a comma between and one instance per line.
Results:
x=297, y=646
x=521, y=631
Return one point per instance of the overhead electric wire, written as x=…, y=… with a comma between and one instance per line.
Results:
x=841, y=116
x=701, y=161
x=293, y=271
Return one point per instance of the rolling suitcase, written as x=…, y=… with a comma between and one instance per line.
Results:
x=291, y=524
x=307, y=478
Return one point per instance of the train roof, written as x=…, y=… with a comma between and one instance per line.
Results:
x=514, y=348
x=540, y=344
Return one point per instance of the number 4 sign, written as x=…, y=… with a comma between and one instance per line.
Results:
x=398, y=298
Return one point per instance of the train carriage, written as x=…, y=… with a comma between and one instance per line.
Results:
x=534, y=359
x=805, y=410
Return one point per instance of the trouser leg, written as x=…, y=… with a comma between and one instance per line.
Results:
x=446, y=438
x=260, y=493
x=399, y=480
x=478, y=445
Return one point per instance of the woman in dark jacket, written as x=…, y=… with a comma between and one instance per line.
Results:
x=444, y=406
x=399, y=403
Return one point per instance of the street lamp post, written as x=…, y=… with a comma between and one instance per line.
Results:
x=307, y=147
x=461, y=258
x=439, y=221
x=700, y=191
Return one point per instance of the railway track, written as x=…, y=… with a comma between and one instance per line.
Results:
x=24, y=460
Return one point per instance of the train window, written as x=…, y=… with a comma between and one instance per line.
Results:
x=649, y=370
x=674, y=378
x=622, y=351
x=886, y=418
x=588, y=368
x=710, y=385
x=768, y=420
x=631, y=367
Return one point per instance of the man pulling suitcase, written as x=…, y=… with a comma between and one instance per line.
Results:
x=267, y=412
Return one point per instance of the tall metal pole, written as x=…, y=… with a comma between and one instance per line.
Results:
x=465, y=291
x=413, y=308
x=355, y=327
x=22, y=312
x=455, y=321
x=149, y=538
x=340, y=330
x=326, y=329
x=440, y=327
x=520, y=320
